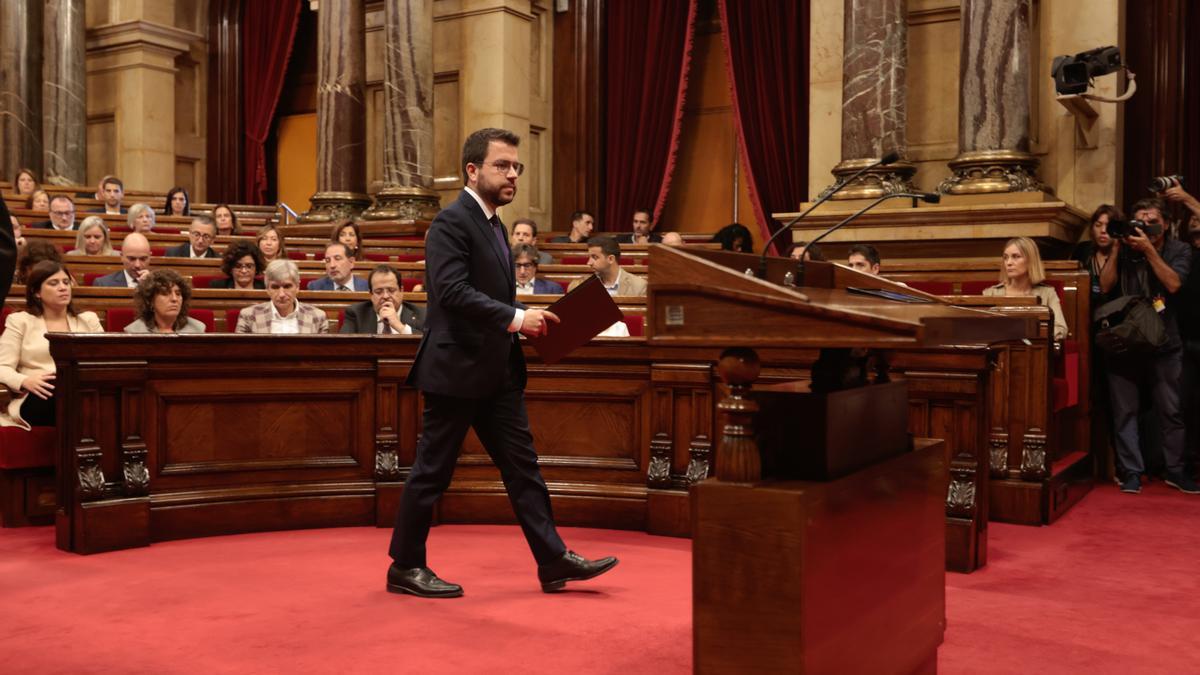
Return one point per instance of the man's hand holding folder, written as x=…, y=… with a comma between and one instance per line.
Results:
x=584, y=313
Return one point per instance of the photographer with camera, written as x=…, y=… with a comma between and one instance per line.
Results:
x=1189, y=322
x=1151, y=268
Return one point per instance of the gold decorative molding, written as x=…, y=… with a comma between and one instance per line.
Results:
x=396, y=202
x=989, y=171
x=874, y=183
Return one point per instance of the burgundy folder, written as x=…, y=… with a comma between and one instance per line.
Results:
x=585, y=311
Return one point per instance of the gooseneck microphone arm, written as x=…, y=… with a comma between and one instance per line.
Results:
x=889, y=158
x=928, y=197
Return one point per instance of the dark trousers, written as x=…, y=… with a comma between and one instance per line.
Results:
x=1163, y=374
x=502, y=426
x=1191, y=404
x=38, y=412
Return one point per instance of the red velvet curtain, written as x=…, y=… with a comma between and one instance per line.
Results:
x=268, y=31
x=766, y=44
x=648, y=49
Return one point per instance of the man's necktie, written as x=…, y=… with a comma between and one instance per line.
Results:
x=498, y=230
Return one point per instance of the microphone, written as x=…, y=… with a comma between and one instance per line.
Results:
x=889, y=158
x=927, y=197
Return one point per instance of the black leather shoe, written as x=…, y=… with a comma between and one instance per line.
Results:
x=572, y=567
x=420, y=581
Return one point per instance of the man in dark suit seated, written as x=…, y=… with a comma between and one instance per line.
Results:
x=582, y=223
x=135, y=256
x=339, y=271
x=642, y=230
x=386, y=312
x=470, y=369
x=62, y=215
x=524, y=231
x=202, y=232
x=525, y=264
x=112, y=191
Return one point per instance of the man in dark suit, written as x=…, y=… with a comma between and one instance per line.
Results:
x=471, y=371
x=642, y=230
x=202, y=232
x=135, y=257
x=525, y=265
x=62, y=215
x=112, y=192
x=339, y=271
x=386, y=312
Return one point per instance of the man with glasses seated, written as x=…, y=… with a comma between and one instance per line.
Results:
x=525, y=264
x=62, y=215
x=202, y=232
x=386, y=313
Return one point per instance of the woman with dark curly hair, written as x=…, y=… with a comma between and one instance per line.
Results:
x=161, y=304
x=347, y=232
x=734, y=237
x=242, y=263
x=178, y=203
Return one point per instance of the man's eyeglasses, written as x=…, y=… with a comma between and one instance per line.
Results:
x=526, y=265
x=504, y=166
x=244, y=266
x=63, y=214
x=201, y=236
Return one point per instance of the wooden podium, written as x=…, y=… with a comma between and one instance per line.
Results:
x=833, y=558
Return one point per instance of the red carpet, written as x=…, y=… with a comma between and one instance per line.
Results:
x=1110, y=588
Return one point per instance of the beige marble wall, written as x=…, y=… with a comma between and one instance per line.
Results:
x=1083, y=177
x=147, y=86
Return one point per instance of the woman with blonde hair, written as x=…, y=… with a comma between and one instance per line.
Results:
x=39, y=200
x=271, y=244
x=92, y=238
x=140, y=218
x=1022, y=274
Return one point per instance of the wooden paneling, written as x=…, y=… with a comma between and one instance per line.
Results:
x=578, y=85
x=224, y=106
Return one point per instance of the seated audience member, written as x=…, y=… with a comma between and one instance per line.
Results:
x=112, y=192
x=1096, y=255
x=672, y=239
x=92, y=238
x=25, y=183
x=140, y=218
x=62, y=215
x=161, y=304
x=38, y=201
x=225, y=219
x=242, y=263
x=386, y=312
x=339, y=270
x=604, y=256
x=582, y=223
x=271, y=244
x=18, y=237
x=26, y=366
x=35, y=252
x=347, y=232
x=525, y=265
x=524, y=231
x=734, y=237
x=177, y=203
x=864, y=258
x=201, y=232
x=283, y=313
x=1022, y=274
x=802, y=250
x=1155, y=267
x=643, y=228
x=135, y=257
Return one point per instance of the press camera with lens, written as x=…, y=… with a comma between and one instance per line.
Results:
x=1120, y=229
x=1164, y=183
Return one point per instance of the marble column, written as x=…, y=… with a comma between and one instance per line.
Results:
x=20, y=86
x=993, y=101
x=408, y=114
x=874, y=112
x=341, y=113
x=64, y=97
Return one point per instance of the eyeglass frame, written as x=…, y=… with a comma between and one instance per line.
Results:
x=511, y=166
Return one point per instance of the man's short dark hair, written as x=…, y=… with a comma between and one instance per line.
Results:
x=56, y=198
x=867, y=251
x=578, y=215
x=345, y=249
x=1148, y=203
x=812, y=250
x=382, y=268
x=525, y=221
x=608, y=245
x=523, y=249
x=648, y=212
x=475, y=149
x=113, y=180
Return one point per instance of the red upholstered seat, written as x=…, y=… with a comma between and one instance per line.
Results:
x=410, y=283
x=4, y=317
x=231, y=318
x=20, y=449
x=636, y=323
x=976, y=287
x=933, y=287
x=1066, y=376
x=89, y=278
x=297, y=255
x=158, y=251
x=573, y=260
x=410, y=257
x=204, y=316
x=377, y=257
x=117, y=318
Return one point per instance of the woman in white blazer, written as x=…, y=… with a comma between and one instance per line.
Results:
x=26, y=366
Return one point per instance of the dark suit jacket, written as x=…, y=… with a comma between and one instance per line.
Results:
x=627, y=238
x=326, y=284
x=103, y=210
x=471, y=300
x=361, y=318
x=115, y=280
x=47, y=225
x=546, y=287
x=184, y=250
x=228, y=283
x=8, y=251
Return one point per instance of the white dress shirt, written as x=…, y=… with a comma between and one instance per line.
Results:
x=285, y=325
x=385, y=328
x=519, y=314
